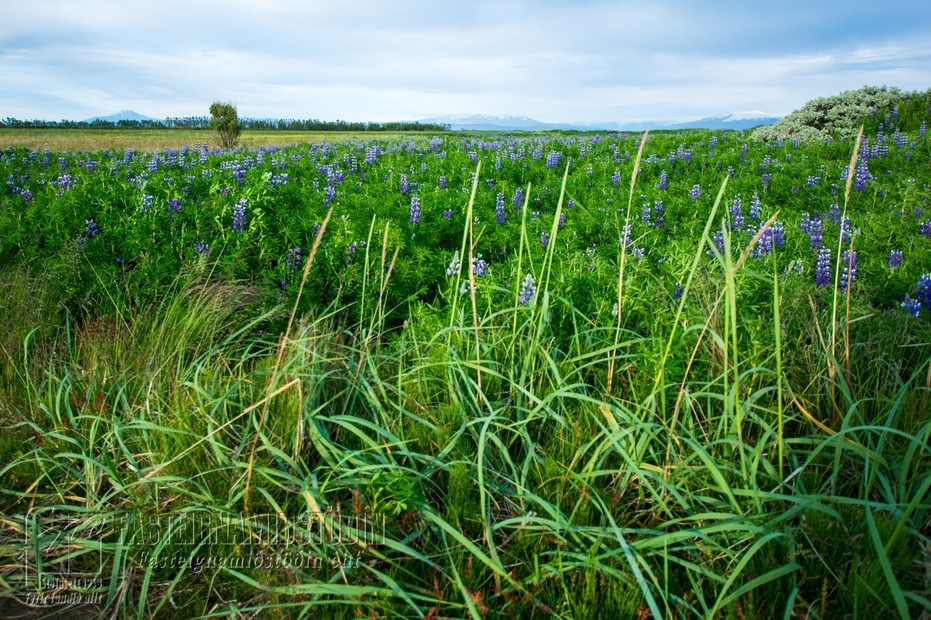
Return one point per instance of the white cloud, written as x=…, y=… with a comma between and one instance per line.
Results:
x=363, y=60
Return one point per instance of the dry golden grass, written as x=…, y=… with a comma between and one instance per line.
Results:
x=156, y=139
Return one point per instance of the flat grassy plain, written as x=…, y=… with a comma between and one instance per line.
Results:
x=159, y=139
x=468, y=376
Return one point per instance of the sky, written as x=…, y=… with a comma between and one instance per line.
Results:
x=376, y=60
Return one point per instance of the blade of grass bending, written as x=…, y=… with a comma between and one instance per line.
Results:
x=840, y=245
x=620, y=273
x=688, y=284
x=466, y=232
x=551, y=246
x=777, y=329
x=281, y=347
x=520, y=252
x=891, y=581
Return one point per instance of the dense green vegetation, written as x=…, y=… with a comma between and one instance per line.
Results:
x=686, y=376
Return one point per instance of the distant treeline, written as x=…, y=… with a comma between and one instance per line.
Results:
x=203, y=122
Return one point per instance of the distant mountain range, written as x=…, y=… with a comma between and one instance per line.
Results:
x=483, y=122
x=122, y=115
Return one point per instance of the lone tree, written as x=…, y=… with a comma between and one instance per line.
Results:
x=225, y=121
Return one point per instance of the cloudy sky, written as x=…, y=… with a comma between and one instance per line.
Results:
x=368, y=60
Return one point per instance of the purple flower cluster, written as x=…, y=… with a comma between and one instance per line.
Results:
x=767, y=177
x=544, y=239
x=823, y=268
x=659, y=221
x=405, y=187
x=527, y=290
x=862, y=176
x=443, y=182
x=294, y=257
x=813, y=228
x=500, y=216
x=923, y=290
x=448, y=213
x=174, y=205
x=616, y=178
x=912, y=306
x=518, y=199
x=895, y=259
x=479, y=266
x=849, y=271
x=239, y=215
x=663, y=180
x=553, y=158
x=415, y=211
x=924, y=228
x=695, y=192
x=737, y=215
x=201, y=247
x=755, y=208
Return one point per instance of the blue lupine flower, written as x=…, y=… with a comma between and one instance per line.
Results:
x=453, y=268
x=405, y=188
x=767, y=177
x=90, y=228
x=730, y=172
x=479, y=266
x=895, y=259
x=912, y=306
x=862, y=176
x=294, y=257
x=823, y=268
x=562, y=220
x=201, y=248
x=718, y=242
x=146, y=203
x=695, y=192
x=663, y=181
x=518, y=199
x=755, y=208
x=174, y=205
x=570, y=204
x=834, y=214
x=625, y=235
x=500, y=216
x=442, y=182
x=544, y=239
x=239, y=215
x=849, y=271
x=447, y=213
x=616, y=178
x=552, y=159
x=527, y=291
x=923, y=290
x=415, y=211
x=924, y=228
x=737, y=216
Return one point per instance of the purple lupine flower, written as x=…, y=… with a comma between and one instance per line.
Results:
x=737, y=215
x=552, y=159
x=570, y=204
x=912, y=306
x=174, y=205
x=453, y=268
x=90, y=228
x=625, y=236
x=447, y=213
x=834, y=214
x=646, y=214
x=845, y=230
x=849, y=272
x=767, y=177
x=755, y=208
x=663, y=180
x=473, y=157
x=815, y=237
x=862, y=176
x=616, y=178
x=637, y=253
x=201, y=247
x=489, y=183
x=924, y=228
x=544, y=239
x=415, y=211
x=923, y=129
x=500, y=216
x=823, y=268
x=695, y=192
x=317, y=228
x=294, y=257
x=405, y=188
x=371, y=154
x=527, y=290
x=895, y=259
x=146, y=203
x=779, y=234
x=812, y=181
x=730, y=172
x=718, y=242
x=443, y=182
x=329, y=194
x=239, y=215
x=479, y=266
x=923, y=290
x=518, y=199
x=562, y=220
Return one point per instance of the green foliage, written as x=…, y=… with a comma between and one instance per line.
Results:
x=838, y=117
x=225, y=122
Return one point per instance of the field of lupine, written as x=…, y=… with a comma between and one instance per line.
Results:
x=581, y=376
